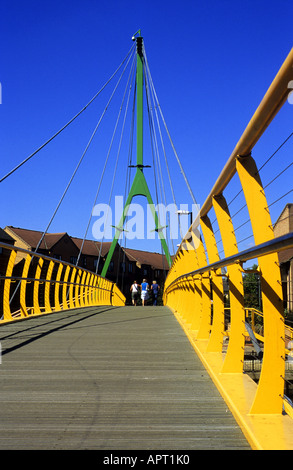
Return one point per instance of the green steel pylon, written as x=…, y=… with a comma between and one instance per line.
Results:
x=139, y=186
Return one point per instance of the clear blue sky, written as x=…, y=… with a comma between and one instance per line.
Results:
x=211, y=64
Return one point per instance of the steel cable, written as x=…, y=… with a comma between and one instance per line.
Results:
x=119, y=149
x=171, y=142
x=75, y=171
x=104, y=168
x=68, y=123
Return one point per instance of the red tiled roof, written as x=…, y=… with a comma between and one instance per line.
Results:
x=155, y=260
x=91, y=247
x=32, y=237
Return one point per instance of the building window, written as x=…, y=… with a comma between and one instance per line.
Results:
x=101, y=264
x=111, y=267
x=73, y=259
x=122, y=267
x=130, y=268
x=57, y=257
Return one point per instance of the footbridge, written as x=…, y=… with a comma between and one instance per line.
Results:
x=208, y=369
x=109, y=378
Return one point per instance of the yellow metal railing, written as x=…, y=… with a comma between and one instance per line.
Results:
x=33, y=284
x=194, y=285
x=255, y=319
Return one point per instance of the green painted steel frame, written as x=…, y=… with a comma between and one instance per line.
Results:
x=139, y=186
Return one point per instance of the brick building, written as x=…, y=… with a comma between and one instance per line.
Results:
x=126, y=265
x=284, y=225
x=55, y=245
x=138, y=265
x=94, y=253
x=4, y=253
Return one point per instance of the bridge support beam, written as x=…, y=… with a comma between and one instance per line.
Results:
x=7, y=286
x=139, y=186
x=269, y=396
x=205, y=323
x=23, y=285
x=216, y=338
x=235, y=353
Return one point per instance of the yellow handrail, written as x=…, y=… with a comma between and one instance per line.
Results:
x=197, y=295
x=54, y=285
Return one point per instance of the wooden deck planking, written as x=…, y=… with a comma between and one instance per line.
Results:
x=108, y=378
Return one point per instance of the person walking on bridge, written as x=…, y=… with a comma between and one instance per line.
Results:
x=155, y=292
x=134, y=289
x=144, y=292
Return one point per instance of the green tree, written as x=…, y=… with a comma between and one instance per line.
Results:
x=251, y=286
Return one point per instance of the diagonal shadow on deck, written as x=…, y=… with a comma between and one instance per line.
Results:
x=109, y=378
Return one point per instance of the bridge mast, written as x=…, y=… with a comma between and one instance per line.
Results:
x=139, y=186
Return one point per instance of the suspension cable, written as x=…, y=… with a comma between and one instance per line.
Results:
x=118, y=152
x=172, y=144
x=68, y=123
x=81, y=159
x=165, y=156
x=127, y=183
x=156, y=156
x=103, y=172
x=157, y=163
x=161, y=138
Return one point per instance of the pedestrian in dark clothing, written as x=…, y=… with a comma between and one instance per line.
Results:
x=155, y=292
